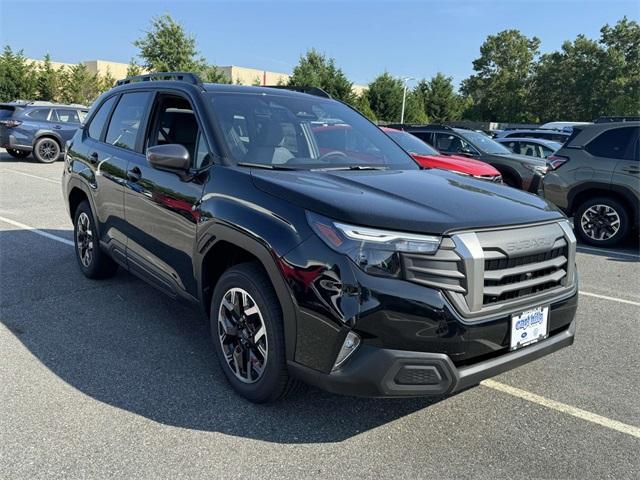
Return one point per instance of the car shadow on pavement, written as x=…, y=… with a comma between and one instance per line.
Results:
x=125, y=344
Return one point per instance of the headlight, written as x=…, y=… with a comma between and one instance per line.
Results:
x=541, y=169
x=375, y=251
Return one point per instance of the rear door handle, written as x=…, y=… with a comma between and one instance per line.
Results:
x=57, y=127
x=134, y=174
x=631, y=169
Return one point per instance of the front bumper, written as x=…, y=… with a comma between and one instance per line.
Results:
x=381, y=372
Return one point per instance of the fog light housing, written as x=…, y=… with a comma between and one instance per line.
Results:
x=350, y=345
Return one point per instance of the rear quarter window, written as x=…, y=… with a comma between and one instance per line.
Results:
x=41, y=114
x=6, y=112
x=612, y=143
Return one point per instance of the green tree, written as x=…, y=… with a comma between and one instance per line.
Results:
x=133, y=69
x=80, y=85
x=441, y=102
x=212, y=74
x=167, y=47
x=316, y=70
x=18, y=76
x=48, y=81
x=361, y=104
x=385, y=99
x=106, y=82
x=500, y=87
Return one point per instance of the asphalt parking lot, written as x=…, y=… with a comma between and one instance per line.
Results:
x=112, y=379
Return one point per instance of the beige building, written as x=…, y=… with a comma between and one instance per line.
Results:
x=242, y=75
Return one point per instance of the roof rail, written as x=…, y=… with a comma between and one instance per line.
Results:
x=172, y=76
x=318, y=92
x=433, y=126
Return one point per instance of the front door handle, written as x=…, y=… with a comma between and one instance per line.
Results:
x=634, y=170
x=134, y=174
x=94, y=157
x=57, y=127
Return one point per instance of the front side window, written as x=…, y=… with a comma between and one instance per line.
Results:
x=449, y=143
x=126, y=119
x=41, y=114
x=68, y=116
x=98, y=121
x=411, y=143
x=612, y=143
x=484, y=143
x=302, y=133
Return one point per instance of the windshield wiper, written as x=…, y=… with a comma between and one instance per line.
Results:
x=267, y=166
x=349, y=167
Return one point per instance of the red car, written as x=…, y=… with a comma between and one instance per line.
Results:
x=429, y=157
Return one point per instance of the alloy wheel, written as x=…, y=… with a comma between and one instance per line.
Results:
x=84, y=239
x=600, y=222
x=48, y=150
x=243, y=335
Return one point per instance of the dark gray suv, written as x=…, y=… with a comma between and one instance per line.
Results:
x=39, y=127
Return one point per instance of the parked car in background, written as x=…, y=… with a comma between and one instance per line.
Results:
x=562, y=125
x=595, y=177
x=557, y=135
x=39, y=127
x=532, y=147
x=518, y=171
x=429, y=157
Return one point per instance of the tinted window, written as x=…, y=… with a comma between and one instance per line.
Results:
x=100, y=118
x=484, y=142
x=411, y=143
x=446, y=142
x=202, y=153
x=125, y=121
x=68, y=116
x=40, y=114
x=612, y=143
x=83, y=114
x=6, y=111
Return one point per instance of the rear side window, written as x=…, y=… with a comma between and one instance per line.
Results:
x=6, y=112
x=125, y=121
x=68, y=116
x=100, y=118
x=39, y=114
x=613, y=143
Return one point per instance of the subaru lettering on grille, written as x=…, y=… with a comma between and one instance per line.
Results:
x=529, y=244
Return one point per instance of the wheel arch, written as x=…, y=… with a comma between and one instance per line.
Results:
x=50, y=134
x=77, y=192
x=221, y=247
x=623, y=195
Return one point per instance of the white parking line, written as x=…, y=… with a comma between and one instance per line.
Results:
x=37, y=231
x=32, y=176
x=608, y=252
x=564, y=408
x=613, y=299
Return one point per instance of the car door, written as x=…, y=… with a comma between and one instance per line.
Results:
x=607, y=156
x=65, y=121
x=627, y=171
x=160, y=205
x=111, y=140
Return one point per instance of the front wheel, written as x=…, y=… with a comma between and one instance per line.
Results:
x=93, y=262
x=15, y=153
x=601, y=222
x=248, y=335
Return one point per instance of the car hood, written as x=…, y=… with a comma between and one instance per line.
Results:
x=455, y=163
x=433, y=201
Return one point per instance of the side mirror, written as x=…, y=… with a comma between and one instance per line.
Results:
x=171, y=156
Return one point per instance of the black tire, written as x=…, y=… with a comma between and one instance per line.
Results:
x=274, y=381
x=98, y=264
x=47, y=150
x=604, y=213
x=15, y=153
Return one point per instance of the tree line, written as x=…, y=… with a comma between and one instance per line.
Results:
x=512, y=80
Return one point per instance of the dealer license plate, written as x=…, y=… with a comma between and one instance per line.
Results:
x=529, y=327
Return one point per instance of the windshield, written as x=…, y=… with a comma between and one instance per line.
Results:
x=411, y=143
x=484, y=143
x=274, y=131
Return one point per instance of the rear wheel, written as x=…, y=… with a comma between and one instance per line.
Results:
x=248, y=334
x=93, y=262
x=601, y=221
x=46, y=150
x=15, y=153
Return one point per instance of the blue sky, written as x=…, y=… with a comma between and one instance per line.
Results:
x=407, y=38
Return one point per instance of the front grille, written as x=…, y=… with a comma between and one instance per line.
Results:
x=491, y=271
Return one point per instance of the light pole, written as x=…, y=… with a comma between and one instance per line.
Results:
x=404, y=96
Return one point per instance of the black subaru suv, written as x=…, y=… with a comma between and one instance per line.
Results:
x=355, y=271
